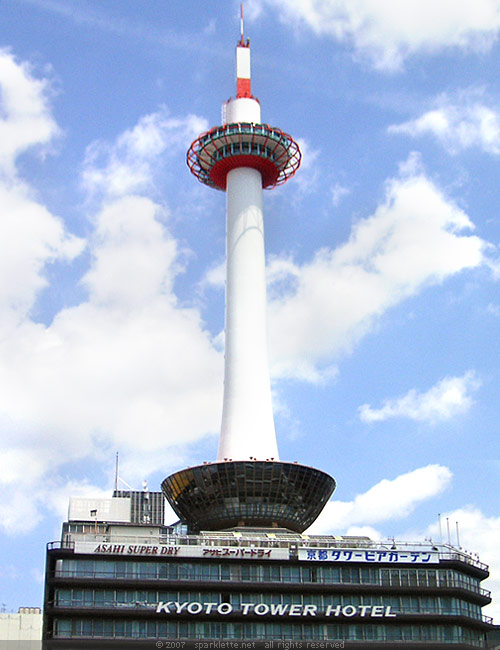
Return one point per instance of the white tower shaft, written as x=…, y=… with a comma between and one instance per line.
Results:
x=247, y=416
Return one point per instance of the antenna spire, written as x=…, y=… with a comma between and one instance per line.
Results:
x=116, y=473
x=242, y=39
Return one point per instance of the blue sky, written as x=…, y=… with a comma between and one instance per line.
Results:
x=382, y=254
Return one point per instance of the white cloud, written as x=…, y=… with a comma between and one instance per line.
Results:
x=214, y=277
x=309, y=176
x=253, y=9
x=129, y=164
x=30, y=236
x=458, y=124
x=390, y=31
x=282, y=277
x=493, y=309
x=133, y=255
x=449, y=397
x=494, y=266
x=338, y=191
x=31, y=486
x=128, y=368
x=387, y=500
x=415, y=238
x=25, y=118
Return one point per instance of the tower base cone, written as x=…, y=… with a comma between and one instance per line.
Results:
x=265, y=494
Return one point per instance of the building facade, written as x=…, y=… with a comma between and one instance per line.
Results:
x=21, y=630
x=260, y=585
x=145, y=507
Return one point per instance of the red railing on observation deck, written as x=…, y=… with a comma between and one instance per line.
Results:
x=215, y=153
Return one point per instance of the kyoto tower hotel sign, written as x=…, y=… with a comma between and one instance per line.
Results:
x=248, y=485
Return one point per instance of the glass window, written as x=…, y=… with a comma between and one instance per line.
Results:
x=99, y=597
x=422, y=578
x=431, y=578
x=203, y=571
x=147, y=570
x=62, y=597
x=119, y=628
x=86, y=628
x=60, y=567
x=85, y=568
x=214, y=571
x=446, y=605
x=139, y=629
x=87, y=597
x=123, y=569
x=393, y=633
x=62, y=627
x=412, y=577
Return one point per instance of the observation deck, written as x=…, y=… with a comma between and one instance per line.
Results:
x=272, y=152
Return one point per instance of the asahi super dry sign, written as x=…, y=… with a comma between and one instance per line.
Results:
x=199, y=551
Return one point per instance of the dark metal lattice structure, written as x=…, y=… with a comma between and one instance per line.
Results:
x=215, y=496
x=215, y=153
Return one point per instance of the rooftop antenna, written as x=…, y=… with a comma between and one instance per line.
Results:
x=146, y=515
x=116, y=473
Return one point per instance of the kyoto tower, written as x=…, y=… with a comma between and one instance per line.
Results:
x=248, y=485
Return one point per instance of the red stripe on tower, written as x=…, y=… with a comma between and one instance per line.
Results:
x=243, y=88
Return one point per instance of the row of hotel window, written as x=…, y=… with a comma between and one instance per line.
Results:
x=271, y=572
x=150, y=598
x=96, y=628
